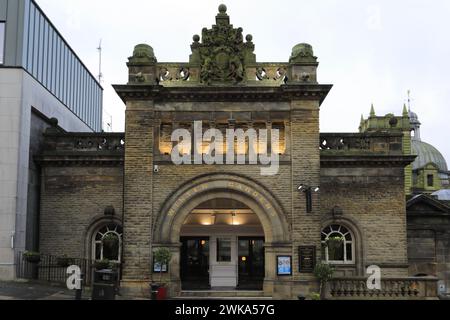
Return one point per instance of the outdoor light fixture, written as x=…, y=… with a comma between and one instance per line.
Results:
x=213, y=219
x=308, y=190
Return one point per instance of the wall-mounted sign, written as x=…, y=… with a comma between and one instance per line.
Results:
x=307, y=259
x=284, y=265
x=157, y=268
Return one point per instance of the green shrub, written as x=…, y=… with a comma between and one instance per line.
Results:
x=324, y=272
x=32, y=257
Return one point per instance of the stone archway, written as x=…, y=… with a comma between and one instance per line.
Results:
x=188, y=197
x=180, y=204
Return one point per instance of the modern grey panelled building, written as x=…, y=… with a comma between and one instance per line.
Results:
x=41, y=78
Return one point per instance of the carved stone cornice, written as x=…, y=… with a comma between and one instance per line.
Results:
x=223, y=94
x=80, y=160
x=336, y=161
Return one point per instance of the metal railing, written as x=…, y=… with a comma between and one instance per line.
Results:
x=53, y=269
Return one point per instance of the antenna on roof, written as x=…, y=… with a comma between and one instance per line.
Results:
x=107, y=123
x=100, y=75
x=409, y=100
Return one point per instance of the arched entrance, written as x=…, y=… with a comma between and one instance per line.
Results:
x=222, y=246
x=236, y=193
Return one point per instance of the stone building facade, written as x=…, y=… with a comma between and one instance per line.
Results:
x=335, y=197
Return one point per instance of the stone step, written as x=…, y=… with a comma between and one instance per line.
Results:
x=224, y=298
x=222, y=294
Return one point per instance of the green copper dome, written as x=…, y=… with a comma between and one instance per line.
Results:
x=426, y=154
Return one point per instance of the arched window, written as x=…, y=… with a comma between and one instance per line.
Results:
x=107, y=243
x=337, y=245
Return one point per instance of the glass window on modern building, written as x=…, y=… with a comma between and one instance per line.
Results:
x=2, y=41
x=34, y=55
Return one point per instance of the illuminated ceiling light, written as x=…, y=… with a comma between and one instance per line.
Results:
x=233, y=220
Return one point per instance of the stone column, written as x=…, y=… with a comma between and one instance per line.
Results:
x=138, y=188
x=305, y=154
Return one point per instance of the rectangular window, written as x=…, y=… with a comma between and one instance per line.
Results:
x=30, y=47
x=430, y=180
x=2, y=42
x=44, y=60
x=223, y=250
x=34, y=72
x=40, y=73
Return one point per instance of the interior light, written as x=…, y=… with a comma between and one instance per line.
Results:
x=234, y=221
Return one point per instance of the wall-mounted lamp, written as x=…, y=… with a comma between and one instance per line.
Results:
x=308, y=192
x=13, y=235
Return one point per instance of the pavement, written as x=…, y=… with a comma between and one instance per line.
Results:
x=26, y=290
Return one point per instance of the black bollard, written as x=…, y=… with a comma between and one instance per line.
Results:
x=79, y=292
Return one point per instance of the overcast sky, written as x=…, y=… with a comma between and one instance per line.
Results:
x=372, y=51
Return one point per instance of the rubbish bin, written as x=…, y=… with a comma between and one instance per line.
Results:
x=154, y=289
x=104, y=286
x=158, y=292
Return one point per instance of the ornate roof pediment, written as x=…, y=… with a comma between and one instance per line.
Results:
x=222, y=53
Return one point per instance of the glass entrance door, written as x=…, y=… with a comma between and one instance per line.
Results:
x=195, y=263
x=251, y=263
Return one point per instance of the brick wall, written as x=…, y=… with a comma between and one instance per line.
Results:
x=71, y=197
x=375, y=199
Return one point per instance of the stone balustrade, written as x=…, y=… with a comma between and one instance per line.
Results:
x=260, y=74
x=358, y=143
x=355, y=288
x=98, y=143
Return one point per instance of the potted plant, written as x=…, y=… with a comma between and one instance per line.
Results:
x=110, y=239
x=32, y=257
x=63, y=261
x=315, y=296
x=162, y=258
x=324, y=272
x=102, y=264
x=333, y=244
x=114, y=265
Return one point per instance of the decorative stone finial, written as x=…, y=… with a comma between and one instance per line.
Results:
x=302, y=52
x=372, y=111
x=405, y=111
x=196, y=38
x=54, y=122
x=143, y=53
x=142, y=66
x=223, y=9
x=249, y=38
